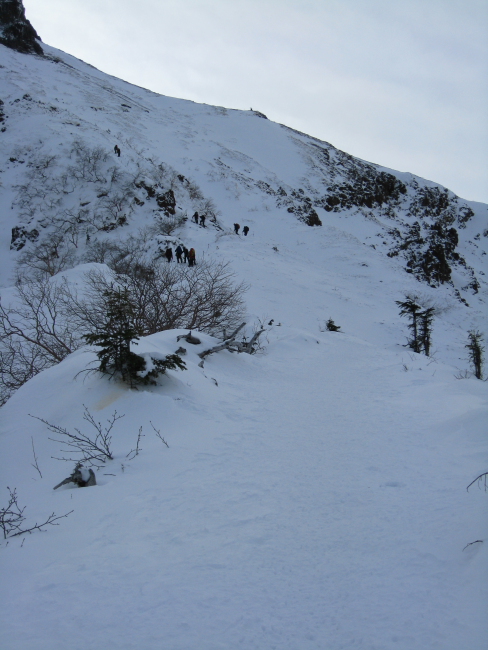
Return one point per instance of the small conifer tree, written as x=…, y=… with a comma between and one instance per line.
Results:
x=420, y=324
x=114, y=337
x=411, y=309
x=476, y=352
x=426, y=317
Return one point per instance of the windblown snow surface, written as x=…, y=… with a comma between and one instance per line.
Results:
x=312, y=496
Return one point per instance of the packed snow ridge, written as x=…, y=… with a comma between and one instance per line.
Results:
x=299, y=487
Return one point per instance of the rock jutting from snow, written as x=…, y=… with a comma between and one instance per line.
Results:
x=16, y=31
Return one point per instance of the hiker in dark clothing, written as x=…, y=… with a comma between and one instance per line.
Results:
x=202, y=220
x=236, y=228
x=191, y=257
x=117, y=150
x=179, y=253
x=185, y=254
x=195, y=218
x=169, y=254
x=245, y=230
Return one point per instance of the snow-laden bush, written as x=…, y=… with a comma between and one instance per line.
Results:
x=47, y=318
x=114, y=336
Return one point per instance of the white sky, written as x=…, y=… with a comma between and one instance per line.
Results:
x=400, y=83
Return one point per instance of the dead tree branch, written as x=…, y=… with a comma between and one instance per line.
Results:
x=479, y=478
x=232, y=345
x=35, y=464
x=158, y=433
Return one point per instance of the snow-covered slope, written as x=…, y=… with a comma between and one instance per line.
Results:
x=58, y=112
x=310, y=497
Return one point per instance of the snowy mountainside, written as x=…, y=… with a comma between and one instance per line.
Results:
x=312, y=496
x=238, y=160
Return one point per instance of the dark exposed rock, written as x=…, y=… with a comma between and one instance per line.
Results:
x=303, y=208
x=167, y=201
x=20, y=236
x=16, y=31
x=189, y=338
x=151, y=192
x=368, y=188
x=429, y=243
x=80, y=476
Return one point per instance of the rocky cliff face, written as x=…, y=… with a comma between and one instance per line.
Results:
x=16, y=31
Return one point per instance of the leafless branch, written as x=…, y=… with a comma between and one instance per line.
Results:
x=158, y=433
x=35, y=464
x=12, y=518
x=479, y=479
x=137, y=449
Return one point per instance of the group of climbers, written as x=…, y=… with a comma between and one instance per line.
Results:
x=199, y=219
x=245, y=230
x=196, y=217
x=183, y=255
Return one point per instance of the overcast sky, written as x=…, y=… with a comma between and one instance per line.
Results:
x=402, y=83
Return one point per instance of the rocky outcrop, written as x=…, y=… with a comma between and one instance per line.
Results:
x=16, y=31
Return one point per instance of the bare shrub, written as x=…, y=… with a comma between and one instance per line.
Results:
x=12, y=518
x=89, y=163
x=121, y=255
x=35, y=332
x=168, y=225
x=194, y=192
x=50, y=256
x=102, y=252
x=168, y=296
x=48, y=319
x=209, y=208
x=94, y=448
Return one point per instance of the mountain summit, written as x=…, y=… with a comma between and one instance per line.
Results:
x=16, y=31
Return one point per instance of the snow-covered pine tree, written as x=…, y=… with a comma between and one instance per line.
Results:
x=425, y=330
x=114, y=337
x=411, y=309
